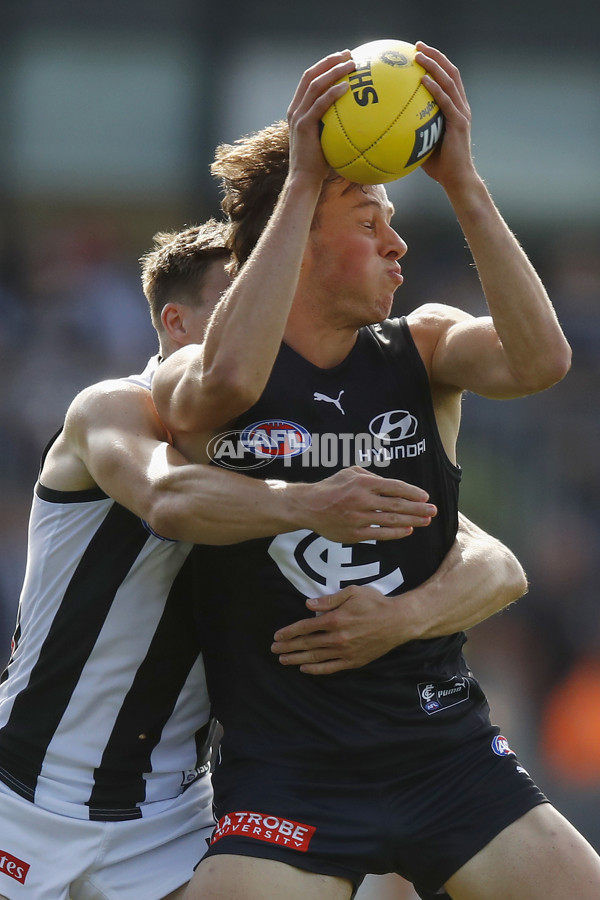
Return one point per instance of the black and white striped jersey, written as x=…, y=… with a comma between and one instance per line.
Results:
x=103, y=704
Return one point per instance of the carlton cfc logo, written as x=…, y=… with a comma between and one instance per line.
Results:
x=275, y=438
x=317, y=566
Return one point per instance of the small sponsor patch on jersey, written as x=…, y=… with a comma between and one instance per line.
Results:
x=436, y=696
x=191, y=775
x=272, y=829
x=500, y=746
x=13, y=867
x=275, y=438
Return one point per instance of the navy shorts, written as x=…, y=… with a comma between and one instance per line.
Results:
x=423, y=824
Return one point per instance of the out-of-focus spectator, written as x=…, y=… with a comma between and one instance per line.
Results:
x=570, y=730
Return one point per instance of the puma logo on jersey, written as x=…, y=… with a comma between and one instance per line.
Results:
x=334, y=400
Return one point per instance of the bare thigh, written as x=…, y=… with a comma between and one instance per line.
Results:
x=541, y=856
x=386, y=887
x=249, y=878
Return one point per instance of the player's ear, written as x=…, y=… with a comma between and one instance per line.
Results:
x=173, y=321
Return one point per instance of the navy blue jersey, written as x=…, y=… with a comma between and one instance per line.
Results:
x=375, y=409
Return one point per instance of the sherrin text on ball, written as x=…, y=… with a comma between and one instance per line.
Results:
x=387, y=124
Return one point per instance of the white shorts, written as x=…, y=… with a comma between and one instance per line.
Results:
x=45, y=856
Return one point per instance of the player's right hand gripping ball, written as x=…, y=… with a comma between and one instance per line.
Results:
x=388, y=123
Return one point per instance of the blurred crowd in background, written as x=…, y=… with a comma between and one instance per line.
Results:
x=72, y=312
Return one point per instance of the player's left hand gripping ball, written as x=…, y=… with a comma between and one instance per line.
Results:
x=388, y=123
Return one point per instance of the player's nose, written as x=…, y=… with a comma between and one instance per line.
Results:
x=397, y=246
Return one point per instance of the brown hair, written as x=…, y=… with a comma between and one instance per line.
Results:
x=174, y=270
x=252, y=172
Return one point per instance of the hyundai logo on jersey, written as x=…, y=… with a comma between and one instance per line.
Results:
x=394, y=425
x=275, y=438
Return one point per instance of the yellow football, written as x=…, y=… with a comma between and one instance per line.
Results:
x=387, y=123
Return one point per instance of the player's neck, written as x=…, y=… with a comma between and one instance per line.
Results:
x=318, y=341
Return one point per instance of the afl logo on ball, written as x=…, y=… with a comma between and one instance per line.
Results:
x=394, y=58
x=275, y=438
x=395, y=425
x=500, y=746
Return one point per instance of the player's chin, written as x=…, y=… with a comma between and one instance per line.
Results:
x=384, y=306
x=377, y=310
x=377, y=316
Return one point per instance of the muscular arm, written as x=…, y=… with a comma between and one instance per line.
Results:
x=114, y=439
x=201, y=387
x=478, y=577
x=520, y=348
